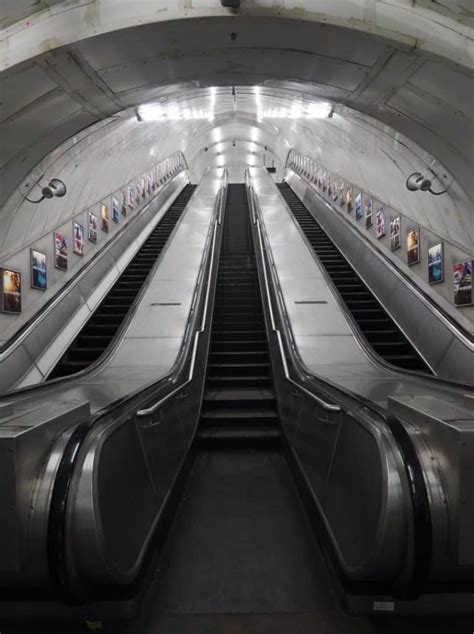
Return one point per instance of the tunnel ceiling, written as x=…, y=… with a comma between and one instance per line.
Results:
x=387, y=86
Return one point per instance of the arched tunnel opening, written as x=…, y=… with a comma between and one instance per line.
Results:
x=236, y=316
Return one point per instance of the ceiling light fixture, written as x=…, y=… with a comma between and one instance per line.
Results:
x=299, y=110
x=156, y=112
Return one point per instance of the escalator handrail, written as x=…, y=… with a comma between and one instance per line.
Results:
x=149, y=411
x=423, y=534
x=56, y=541
x=42, y=313
x=457, y=329
x=331, y=407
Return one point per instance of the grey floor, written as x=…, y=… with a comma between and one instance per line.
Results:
x=241, y=558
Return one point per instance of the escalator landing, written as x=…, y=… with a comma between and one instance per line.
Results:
x=241, y=542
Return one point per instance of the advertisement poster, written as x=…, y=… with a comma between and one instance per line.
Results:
x=143, y=187
x=115, y=210
x=123, y=202
x=130, y=196
x=38, y=268
x=395, y=240
x=368, y=208
x=60, y=251
x=342, y=199
x=137, y=193
x=319, y=180
x=462, y=278
x=358, y=206
x=78, y=238
x=10, y=291
x=104, y=216
x=349, y=201
x=335, y=191
x=325, y=182
x=435, y=263
x=149, y=183
x=92, y=227
x=413, y=246
x=380, y=222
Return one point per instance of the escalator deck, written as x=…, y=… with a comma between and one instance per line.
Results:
x=379, y=329
x=98, y=332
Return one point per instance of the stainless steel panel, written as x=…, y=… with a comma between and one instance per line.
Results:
x=147, y=351
x=333, y=350
x=26, y=439
x=363, y=476
x=448, y=432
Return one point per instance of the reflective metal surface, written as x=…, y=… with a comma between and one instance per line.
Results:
x=134, y=364
x=332, y=358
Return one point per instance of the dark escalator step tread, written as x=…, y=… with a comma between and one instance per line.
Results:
x=237, y=394
x=239, y=357
x=224, y=416
x=72, y=366
x=236, y=345
x=226, y=335
x=237, y=369
x=232, y=439
x=240, y=381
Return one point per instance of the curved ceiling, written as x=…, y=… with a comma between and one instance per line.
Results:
x=398, y=74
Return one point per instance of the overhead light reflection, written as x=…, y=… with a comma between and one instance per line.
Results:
x=175, y=112
x=298, y=110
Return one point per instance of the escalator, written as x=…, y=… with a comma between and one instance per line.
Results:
x=240, y=541
x=98, y=332
x=381, y=332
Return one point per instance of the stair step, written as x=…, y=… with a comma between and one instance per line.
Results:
x=239, y=437
x=224, y=416
x=239, y=357
x=239, y=381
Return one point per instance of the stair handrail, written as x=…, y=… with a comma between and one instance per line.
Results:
x=220, y=203
x=330, y=407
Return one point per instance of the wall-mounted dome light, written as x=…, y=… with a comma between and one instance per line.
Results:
x=417, y=182
x=55, y=188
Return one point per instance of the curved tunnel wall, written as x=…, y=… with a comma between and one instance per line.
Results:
x=391, y=116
